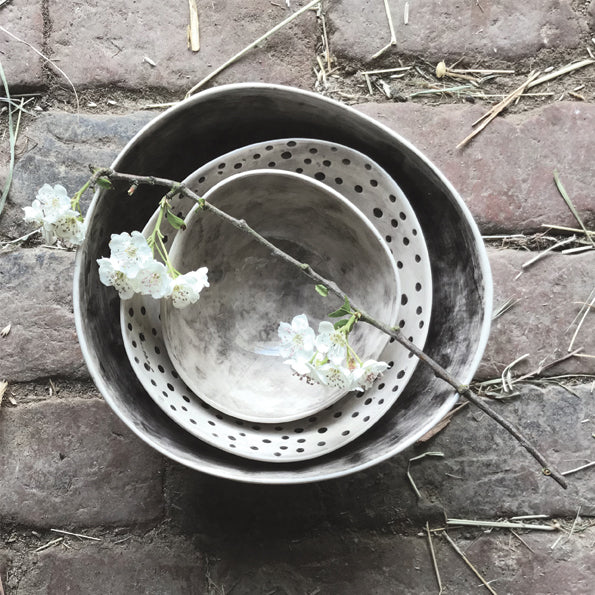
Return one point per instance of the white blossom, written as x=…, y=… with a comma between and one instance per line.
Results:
x=110, y=276
x=297, y=339
x=71, y=228
x=335, y=375
x=49, y=205
x=368, y=372
x=331, y=342
x=130, y=252
x=186, y=288
x=52, y=210
x=153, y=279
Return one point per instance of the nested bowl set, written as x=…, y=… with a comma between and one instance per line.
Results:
x=333, y=188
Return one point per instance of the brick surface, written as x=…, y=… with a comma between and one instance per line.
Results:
x=451, y=29
x=58, y=148
x=36, y=299
x=65, y=464
x=112, y=51
x=551, y=294
x=135, y=567
x=22, y=66
x=402, y=564
x=484, y=474
x=505, y=175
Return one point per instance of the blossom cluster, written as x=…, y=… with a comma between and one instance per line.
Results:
x=326, y=358
x=132, y=269
x=53, y=210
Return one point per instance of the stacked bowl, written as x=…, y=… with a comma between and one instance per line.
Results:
x=332, y=188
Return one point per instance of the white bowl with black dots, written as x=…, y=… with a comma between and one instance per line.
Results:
x=345, y=420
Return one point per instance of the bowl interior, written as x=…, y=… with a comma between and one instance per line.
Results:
x=226, y=346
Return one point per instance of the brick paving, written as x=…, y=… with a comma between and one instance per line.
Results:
x=67, y=462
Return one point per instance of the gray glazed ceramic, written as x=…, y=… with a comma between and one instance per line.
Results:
x=229, y=117
x=225, y=347
x=356, y=412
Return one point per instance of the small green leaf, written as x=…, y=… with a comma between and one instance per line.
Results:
x=104, y=183
x=322, y=290
x=340, y=323
x=344, y=310
x=175, y=221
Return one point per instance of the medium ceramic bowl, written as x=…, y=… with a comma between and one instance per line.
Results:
x=226, y=345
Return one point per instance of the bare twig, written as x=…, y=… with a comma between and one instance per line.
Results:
x=251, y=46
x=395, y=333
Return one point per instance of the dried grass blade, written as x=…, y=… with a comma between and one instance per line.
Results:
x=507, y=99
x=417, y=458
x=499, y=524
x=11, y=143
x=587, y=307
x=561, y=72
x=441, y=424
x=3, y=387
x=571, y=206
x=76, y=97
x=507, y=305
x=466, y=560
x=49, y=544
x=393, y=36
x=433, y=554
x=252, y=45
x=193, y=30
x=547, y=251
x=577, y=469
x=563, y=228
x=75, y=534
x=489, y=116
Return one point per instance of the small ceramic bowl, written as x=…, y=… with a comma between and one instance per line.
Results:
x=226, y=346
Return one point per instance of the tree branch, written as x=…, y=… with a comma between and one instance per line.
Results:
x=439, y=371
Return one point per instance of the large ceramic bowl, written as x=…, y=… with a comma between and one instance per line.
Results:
x=220, y=120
